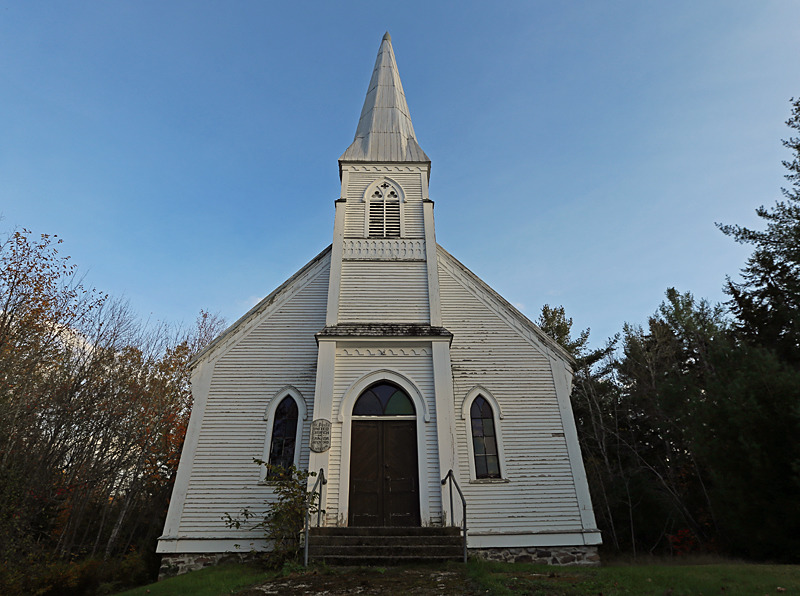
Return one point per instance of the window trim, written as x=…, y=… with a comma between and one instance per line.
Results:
x=401, y=199
x=497, y=415
x=269, y=417
x=384, y=374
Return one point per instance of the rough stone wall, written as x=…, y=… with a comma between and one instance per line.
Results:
x=565, y=555
x=178, y=564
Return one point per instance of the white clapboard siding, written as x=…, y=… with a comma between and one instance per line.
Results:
x=354, y=218
x=413, y=220
x=418, y=368
x=384, y=292
x=279, y=350
x=409, y=181
x=540, y=493
x=412, y=205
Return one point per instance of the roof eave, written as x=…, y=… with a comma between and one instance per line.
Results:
x=546, y=339
x=384, y=163
x=256, y=309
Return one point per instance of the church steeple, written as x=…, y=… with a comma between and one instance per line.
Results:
x=385, y=133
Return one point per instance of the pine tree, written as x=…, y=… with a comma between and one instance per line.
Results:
x=767, y=302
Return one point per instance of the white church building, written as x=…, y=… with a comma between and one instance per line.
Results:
x=406, y=364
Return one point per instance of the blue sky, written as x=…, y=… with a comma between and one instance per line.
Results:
x=186, y=152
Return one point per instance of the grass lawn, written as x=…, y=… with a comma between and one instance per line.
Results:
x=211, y=581
x=480, y=577
x=740, y=578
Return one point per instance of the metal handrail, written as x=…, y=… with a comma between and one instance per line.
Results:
x=309, y=502
x=451, y=477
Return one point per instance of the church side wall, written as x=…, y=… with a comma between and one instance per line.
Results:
x=538, y=495
x=352, y=364
x=279, y=350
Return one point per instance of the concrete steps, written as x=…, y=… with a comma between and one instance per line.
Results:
x=384, y=546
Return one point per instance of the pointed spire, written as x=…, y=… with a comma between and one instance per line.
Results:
x=385, y=132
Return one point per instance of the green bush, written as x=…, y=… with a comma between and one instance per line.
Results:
x=284, y=518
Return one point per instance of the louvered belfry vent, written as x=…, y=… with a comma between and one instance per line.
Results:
x=384, y=212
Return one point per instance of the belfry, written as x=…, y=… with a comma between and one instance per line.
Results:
x=389, y=366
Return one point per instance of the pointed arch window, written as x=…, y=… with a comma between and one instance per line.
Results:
x=383, y=211
x=484, y=439
x=284, y=437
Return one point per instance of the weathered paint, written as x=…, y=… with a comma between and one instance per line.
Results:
x=538, y=491
x=275, y=349
x=355, y=190
x=384, y=292
x=398, y=309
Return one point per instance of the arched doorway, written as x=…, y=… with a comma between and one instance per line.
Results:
x=384, y=478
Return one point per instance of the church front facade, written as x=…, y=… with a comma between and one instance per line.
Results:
x=405, y=365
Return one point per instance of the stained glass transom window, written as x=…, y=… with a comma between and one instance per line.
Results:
x=384, y=399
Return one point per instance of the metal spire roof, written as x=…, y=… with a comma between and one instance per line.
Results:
x=385, y=132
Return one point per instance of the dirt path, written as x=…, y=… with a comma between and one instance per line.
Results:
x=420, y=580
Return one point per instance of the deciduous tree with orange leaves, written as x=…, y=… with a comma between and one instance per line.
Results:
x=93, y=412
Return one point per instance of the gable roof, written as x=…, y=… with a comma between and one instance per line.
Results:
x=259, y=308
x=385, y=132
x=509, y=312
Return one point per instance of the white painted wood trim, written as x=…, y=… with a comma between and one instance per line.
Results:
x=562, y=378
x=407, y=342
x=433, y=265
x=269, y=416
x=323, y=406
x=466, y=404
x=400, y=192
x=387, y=167
x=269, y=413
x=358, y=387
x=445, y=423
x=345, y=419
x=212, y=545
x=497, y=415
x=334, y=281
x=201, y=384
x=383, y=249
x=494, y=301
x=533, y=539
x=262, y=310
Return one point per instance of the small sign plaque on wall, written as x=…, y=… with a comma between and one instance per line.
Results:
x=320, y=435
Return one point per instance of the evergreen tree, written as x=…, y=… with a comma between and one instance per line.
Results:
x=767, y=302
x=714, y=420
x=688, y=434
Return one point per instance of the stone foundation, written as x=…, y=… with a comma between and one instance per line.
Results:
x=178, y=564
x=562, y=555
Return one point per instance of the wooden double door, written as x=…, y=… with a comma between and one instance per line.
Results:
x=384, y=478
